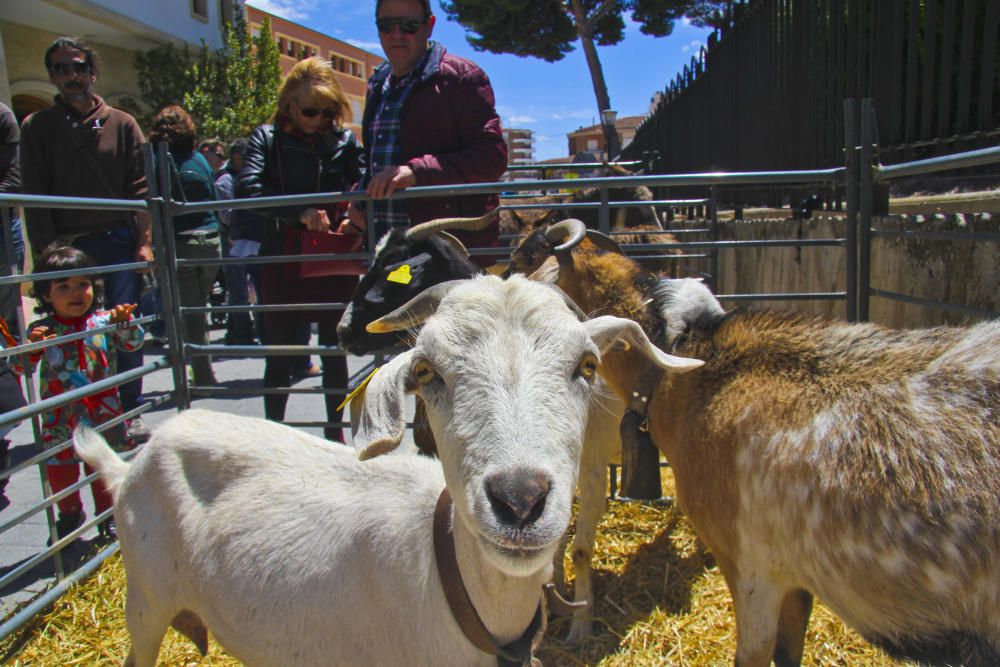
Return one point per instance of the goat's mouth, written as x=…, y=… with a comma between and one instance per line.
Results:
x=520, y=548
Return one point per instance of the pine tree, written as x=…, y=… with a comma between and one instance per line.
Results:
x=236, y=90
x=548, y=29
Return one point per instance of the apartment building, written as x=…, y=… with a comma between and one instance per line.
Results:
x=352, y=64
x=590, y=139
x=115, y=28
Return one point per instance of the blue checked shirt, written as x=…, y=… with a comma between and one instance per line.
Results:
x=385, y=149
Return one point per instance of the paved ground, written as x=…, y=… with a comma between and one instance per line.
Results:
x=23, y=541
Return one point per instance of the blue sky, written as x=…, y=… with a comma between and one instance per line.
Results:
x=552, y=99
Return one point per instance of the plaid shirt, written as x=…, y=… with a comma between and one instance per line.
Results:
x=385, y=149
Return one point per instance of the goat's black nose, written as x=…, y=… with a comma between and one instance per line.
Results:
x=518, y=495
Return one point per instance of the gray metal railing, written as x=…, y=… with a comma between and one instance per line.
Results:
x=857, y=177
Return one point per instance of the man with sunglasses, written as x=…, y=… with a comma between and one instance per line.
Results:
x=82, y=147
x=429, y=119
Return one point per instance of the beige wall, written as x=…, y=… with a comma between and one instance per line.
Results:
x=24, y=48
x=960, y=272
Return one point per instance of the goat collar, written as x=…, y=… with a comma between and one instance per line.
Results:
x=521, y=651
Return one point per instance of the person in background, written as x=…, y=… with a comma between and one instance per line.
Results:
x=244, y=229
x=197, y=235
x=214, y=153
x=11, y=255
x=70, y=305
x=10, y=182
x=306, y=149
x=82, y=147
x=429, y=119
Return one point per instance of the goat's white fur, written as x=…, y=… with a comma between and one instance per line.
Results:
x=293, y=551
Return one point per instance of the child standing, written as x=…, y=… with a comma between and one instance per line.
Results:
x=71, y=307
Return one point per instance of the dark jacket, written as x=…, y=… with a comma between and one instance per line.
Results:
x=243, y=223
x=193, y=182
x=55, y=143
x=10, y=176
x=449, y=134
x=10, y=136
x=276, y=163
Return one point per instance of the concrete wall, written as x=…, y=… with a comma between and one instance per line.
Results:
x=960, y=272
x=173, y=17
x=25, y=48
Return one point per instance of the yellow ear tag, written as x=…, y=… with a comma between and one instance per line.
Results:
x=359, y=390
x=400, y=275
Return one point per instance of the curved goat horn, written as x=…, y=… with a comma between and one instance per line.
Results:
x=572, y=231
x=567, y=233
x=455, y=243
x=414, y=312
x=425, y=229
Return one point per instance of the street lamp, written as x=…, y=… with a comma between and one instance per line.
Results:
x=608, y=117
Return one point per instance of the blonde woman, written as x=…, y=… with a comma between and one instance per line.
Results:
x=306, y=149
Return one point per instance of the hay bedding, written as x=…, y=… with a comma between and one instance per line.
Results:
x=660, y=601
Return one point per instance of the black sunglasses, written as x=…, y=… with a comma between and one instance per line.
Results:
x=407, y=25
x=62, y=69
x=312, y=112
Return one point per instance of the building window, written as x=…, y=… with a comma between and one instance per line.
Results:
x=591, y=144
x=199, y=9
x=226, y=11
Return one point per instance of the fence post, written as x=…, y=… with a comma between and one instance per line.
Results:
x=866, y=201
x=713, y=232
x=851, y=141
x=604, y=214
x=164, y=248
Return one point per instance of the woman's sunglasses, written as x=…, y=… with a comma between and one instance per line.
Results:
x=409, y=26
x=62, y=69
x=312, y=112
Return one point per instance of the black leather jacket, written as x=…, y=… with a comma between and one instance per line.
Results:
x=276, y=163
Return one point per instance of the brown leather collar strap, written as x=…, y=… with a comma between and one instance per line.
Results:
x=518, y=652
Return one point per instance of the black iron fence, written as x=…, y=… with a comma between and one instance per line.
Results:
x=767, y=91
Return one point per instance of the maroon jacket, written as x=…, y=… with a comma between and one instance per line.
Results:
x=450, y=134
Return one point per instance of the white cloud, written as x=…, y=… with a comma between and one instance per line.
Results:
x=521, y=120
x=694, y=45
x=292, y=10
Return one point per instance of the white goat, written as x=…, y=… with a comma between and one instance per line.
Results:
x=848, y=461
x=294, y=552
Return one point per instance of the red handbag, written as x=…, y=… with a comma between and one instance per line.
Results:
x=325, y=243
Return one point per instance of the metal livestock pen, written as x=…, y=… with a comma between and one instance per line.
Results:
x=857, y=179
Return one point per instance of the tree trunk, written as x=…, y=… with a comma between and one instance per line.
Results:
x=596, y=73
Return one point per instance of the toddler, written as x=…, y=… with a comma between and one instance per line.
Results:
x=70, y=305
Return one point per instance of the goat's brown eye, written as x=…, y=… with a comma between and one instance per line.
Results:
x=423, y=372
x=588, y=367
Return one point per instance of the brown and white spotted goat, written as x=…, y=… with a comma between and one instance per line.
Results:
x=847, y=461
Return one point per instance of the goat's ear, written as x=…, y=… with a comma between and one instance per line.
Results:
x=548, y=272
x=415, y=311
x=616, y=334
x=518, y=220
x=381, y=421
